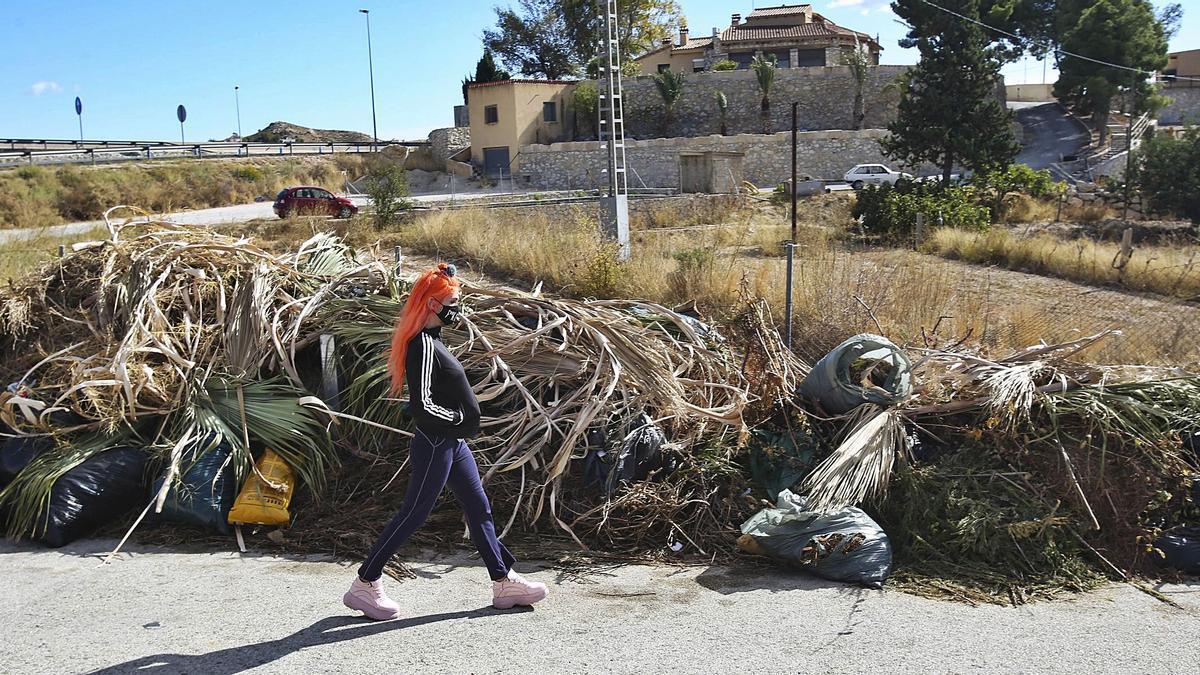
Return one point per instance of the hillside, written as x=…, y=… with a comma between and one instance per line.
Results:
x=277, y=131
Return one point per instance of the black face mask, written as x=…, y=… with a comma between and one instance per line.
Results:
x=449, y=314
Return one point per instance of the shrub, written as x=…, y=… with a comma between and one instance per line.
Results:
x=723, y=64
x=891, y=211
x=996, y=189
x=1167, y=173
x=250, y=174
x=388, y=190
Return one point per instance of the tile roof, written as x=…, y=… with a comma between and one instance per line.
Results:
x=807, y=30
x=782, y=10
x=480, y=85
x=695, y=43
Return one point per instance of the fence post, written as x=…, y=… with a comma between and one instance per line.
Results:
x=398, y=258
x=919, y=231
x=62, y=250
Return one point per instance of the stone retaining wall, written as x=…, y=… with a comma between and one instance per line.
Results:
x=1184, y=108
x=655, y=163
x=450, y=141
x=825, y=95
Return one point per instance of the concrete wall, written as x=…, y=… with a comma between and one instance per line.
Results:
x=826, y=97
x=1030, y=93
x=519, y=110
x=767, y=158
x=1184, y=64
x=679, y=60
x=1185, y=105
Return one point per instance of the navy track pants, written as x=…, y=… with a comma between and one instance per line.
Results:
x=436, y=463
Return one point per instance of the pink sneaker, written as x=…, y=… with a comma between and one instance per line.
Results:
x=370, y=599
x=515, y=590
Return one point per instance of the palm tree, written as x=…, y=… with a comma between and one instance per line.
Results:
x=723, y=108
x=764, y=70
x=857, y=62
x=670, y=86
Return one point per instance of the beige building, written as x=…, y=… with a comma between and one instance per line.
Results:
x=507, y=115
x=1183, y=64
x=795, y=34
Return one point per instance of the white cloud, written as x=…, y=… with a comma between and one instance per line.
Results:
x=865, y=12
x=845, y=3
x=44, y=86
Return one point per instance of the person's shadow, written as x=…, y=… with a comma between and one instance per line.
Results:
x=325, y=631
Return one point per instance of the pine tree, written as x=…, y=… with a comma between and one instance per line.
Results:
x=949, y=113
x=1121, y=32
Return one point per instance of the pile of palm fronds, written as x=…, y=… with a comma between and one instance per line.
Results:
x=165, y=337
x=560, y=379
x=1078, y=457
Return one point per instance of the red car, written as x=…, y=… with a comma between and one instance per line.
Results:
x=308, y=200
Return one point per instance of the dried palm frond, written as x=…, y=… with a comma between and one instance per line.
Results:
x=860, y=468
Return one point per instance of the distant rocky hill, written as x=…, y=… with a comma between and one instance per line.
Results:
x=276, y=132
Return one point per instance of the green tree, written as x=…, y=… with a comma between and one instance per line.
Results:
x=1123, y=32
x=587, y=100
x=764, y=71
x=723, y=65
x=533, y=39
x=723, y=109
x=556, y=38
x=949, y=114
x=670, y=86
x=486, y=70
x=1166, y=171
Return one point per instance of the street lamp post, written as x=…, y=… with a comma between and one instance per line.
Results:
x=238, y=105
x=371, y=68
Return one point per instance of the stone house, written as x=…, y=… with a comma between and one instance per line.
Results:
x=797, y=36
x=504, y=116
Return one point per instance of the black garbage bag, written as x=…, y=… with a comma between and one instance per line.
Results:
x=1180, y=549
x=204, y=493
x=17, y=453
x=634, y=458
x=99, y=490
x=846, y=545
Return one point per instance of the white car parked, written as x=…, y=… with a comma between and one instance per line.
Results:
x=873, y=174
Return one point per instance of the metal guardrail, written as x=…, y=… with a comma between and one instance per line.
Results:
x=78, y=151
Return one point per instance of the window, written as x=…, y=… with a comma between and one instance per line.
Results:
x=549, y=111
x=491, y=115
x=321, y=194
x=664, y=67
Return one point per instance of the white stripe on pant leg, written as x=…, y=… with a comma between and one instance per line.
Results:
x=383, y=546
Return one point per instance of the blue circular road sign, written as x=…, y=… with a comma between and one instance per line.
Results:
x=181, y=113
x=78, y=106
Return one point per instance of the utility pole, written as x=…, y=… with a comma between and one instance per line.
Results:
x=371, y=68
x=791, y=245
x=1129, y=145
x=614, y=207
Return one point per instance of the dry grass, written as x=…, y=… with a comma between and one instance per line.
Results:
x=910, y=297
x=1168, y=270
x=17, y=258
x=34, y=196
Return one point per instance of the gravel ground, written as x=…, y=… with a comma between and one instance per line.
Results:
x=161, y=611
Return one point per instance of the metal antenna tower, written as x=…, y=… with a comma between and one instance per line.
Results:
x=614, y=205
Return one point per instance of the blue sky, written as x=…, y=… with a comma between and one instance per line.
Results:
x=305, y=61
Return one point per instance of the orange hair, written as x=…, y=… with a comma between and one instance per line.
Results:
x=437, y=284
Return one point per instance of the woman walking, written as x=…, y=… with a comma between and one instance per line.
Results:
x=446, y=413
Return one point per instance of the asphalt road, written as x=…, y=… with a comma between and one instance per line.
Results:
x=222, y=215
x=1049, y=135
x=170, y=612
